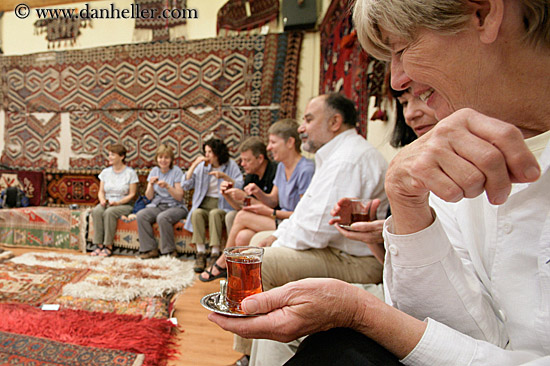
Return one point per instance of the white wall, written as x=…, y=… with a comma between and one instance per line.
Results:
x=19, y=38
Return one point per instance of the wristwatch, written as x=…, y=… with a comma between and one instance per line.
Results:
x=274, y=214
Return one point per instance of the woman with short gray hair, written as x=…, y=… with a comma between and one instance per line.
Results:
x=467, y=264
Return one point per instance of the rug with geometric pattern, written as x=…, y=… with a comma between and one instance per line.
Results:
x=35, y=285
x=22, y=350
x=144, y=94
x=43, y=227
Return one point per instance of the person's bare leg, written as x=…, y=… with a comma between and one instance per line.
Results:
x=247, y=221
x=244, y=236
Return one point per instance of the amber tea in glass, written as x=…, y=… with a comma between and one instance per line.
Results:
x=244, y=274
x=360, y=210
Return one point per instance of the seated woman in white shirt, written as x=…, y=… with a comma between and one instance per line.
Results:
x=117, y=190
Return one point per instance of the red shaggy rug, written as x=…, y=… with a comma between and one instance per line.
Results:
x=17, y=349
x=129, y=333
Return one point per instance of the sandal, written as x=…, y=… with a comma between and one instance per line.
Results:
x=105, y=252
x=97, y=251
x=211, y=277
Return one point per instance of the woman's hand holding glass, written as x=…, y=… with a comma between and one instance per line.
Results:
x=368, y=232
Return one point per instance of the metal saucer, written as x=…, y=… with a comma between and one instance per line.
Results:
x=346, y=227
x=211, y=302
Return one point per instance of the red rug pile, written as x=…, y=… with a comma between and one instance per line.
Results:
x=152, y=337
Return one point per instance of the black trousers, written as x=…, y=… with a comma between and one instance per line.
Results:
x=341, y=347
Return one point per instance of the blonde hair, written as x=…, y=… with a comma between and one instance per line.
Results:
x=165, y=150
x=285, y=129
x=403, y=18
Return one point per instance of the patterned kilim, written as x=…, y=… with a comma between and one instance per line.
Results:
x=118, y=279
x=345, y=67
x=45, y=227
x=32, y=183
x=34, y=285
x=161, y=25
x=72, y=188
x=22, y=350
x=148, y=307
x=34, y=144
x=144, y=94
x=233, y=14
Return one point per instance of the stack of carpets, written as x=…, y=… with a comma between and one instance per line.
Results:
x=110, y=303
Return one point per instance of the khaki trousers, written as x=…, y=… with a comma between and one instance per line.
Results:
x=105, y=219
x=209, y=214
x=283, y=265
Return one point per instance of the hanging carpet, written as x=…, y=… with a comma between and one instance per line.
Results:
x=140, y=95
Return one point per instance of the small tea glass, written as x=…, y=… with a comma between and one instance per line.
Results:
x=244, y=275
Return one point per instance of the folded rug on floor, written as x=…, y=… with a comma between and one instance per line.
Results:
x=118, y=279
x=151, y=337
x=35, y=285
x=17, y=349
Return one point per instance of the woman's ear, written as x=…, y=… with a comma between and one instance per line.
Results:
x=290, y=143
x=488, y=15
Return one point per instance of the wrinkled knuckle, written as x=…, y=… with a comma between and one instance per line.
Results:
x=490, y=159
x=474, y=179
x=451, y=193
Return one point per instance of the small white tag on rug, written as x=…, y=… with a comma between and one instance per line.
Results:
x=50, y=307
x=174, y=321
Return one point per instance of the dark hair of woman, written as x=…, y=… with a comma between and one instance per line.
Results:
x=402, y=134
x=219, y=149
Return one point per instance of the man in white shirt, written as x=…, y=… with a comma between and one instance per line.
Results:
x=346, y=165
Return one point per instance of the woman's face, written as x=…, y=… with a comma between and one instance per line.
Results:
x=277, y=146
x=418, y=115
x=437, y=69
x=209, y=154
x=114, y=158
x=164, y=162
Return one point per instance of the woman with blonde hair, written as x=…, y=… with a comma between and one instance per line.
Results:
x=166, y=207
x=267, y=210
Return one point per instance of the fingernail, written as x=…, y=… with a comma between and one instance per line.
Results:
x=250, y=306
x=500, y=198
x=532, y=173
